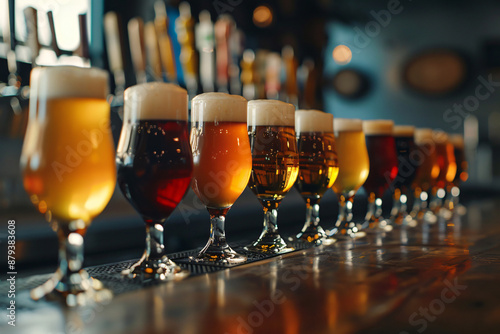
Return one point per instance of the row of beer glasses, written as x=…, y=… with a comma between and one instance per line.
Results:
x=69, y=171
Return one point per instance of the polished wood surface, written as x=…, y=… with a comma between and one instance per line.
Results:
x=443, y=279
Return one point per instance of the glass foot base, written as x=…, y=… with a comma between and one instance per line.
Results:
x=159, y=270
x=218, y=255
x=83, y=290
x=270, y=243
x=312, y=234
x=345, y=230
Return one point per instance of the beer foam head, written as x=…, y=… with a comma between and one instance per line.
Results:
x=347, y=124
x=156, y=101
x=378, y=127
x=218, y=107
x=68, y=81
x=439, y=136
x=457, y=140
x=404, y=131
x=423, y=135
x=313, y=121
x=270, y=112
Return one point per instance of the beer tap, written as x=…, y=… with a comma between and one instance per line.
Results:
x=290, y=65
x=184, y=26
x=205, y=43
x=221, y=29
x=153, y=64
x=235, y=51
x=167, y=56
x=273, y=75
x=137, y=49
x=115, y=54
x=30, y=14
x=248, y=75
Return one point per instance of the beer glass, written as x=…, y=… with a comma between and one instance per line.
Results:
x=407, y=169
x=447, y=168
x=318, y=166
x=275, y=165
x=354, y=167
x=427, y=171
x=383, y=169
x=461, y=175
x=154, y=168
x=222, y=164
x=68, y=168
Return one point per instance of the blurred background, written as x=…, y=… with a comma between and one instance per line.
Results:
x=426, y=63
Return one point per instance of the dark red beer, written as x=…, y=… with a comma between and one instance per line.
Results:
x=154, y=172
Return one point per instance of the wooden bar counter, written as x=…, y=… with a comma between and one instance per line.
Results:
x=444, y=279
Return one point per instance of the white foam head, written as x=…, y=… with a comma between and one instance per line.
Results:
x=347, y=124
x=404, y=131
x=423, y=135
x=439, y=136
x=68, y=81
x=313, y=121
x=218, y=107
x=156, y=101
x=270, y=112
x=457, y=140
x=378, y=127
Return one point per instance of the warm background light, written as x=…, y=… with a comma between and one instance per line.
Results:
x=262, y=16
x=342, y=54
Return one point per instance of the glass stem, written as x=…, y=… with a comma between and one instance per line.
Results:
x=312, y=214
x=70, y=256
x=155, y=249
x=217, y=228
x=371, y=207
x=270, y=221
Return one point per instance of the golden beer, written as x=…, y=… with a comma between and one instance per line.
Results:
x=68, y=168
x=318, y=167
x=275, y=164
x=68, y=158
x=354, y=164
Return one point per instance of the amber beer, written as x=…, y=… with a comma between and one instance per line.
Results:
x=426, y=157
x=222, y=163
x=354, y=164
x=462, y=166
x=68, y=153
x=275, y=163
x=221, y=150
x=383, y=159
x=445, y=158
x=317, y=156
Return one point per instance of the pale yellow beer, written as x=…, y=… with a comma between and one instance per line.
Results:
x=354, y=164
x=68, y=154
